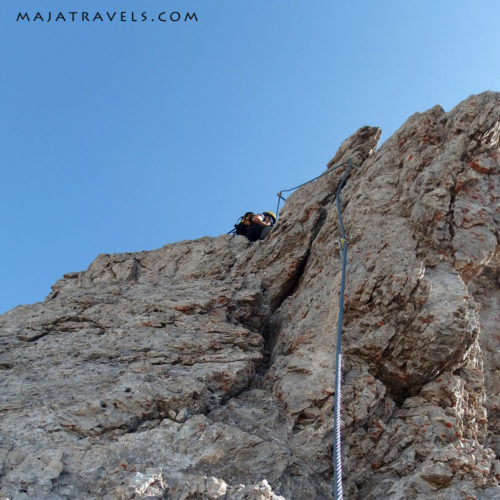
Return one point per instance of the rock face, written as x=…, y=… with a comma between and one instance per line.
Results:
x=205, y=369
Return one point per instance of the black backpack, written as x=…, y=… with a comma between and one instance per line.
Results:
x=243, y=223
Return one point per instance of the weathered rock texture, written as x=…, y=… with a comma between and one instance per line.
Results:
x=205, y=369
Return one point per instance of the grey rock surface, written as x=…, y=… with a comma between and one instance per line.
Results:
x=195, y=371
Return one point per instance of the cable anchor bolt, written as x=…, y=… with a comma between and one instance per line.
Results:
x=341, y=243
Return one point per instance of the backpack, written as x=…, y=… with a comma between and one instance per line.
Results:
x=244, y=222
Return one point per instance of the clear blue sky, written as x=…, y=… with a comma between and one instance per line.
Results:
x=124, y=136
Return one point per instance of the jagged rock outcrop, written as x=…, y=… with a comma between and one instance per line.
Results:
x=205, y=369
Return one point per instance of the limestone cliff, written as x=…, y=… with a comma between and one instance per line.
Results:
x=205, y=369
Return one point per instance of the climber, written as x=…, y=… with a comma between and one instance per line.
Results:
x=255, y=226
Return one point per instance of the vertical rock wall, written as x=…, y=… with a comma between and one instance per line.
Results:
x=205, y=369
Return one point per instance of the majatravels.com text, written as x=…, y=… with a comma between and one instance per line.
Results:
x=106, y=17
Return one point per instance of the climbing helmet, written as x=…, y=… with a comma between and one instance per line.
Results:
x=270, y=214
